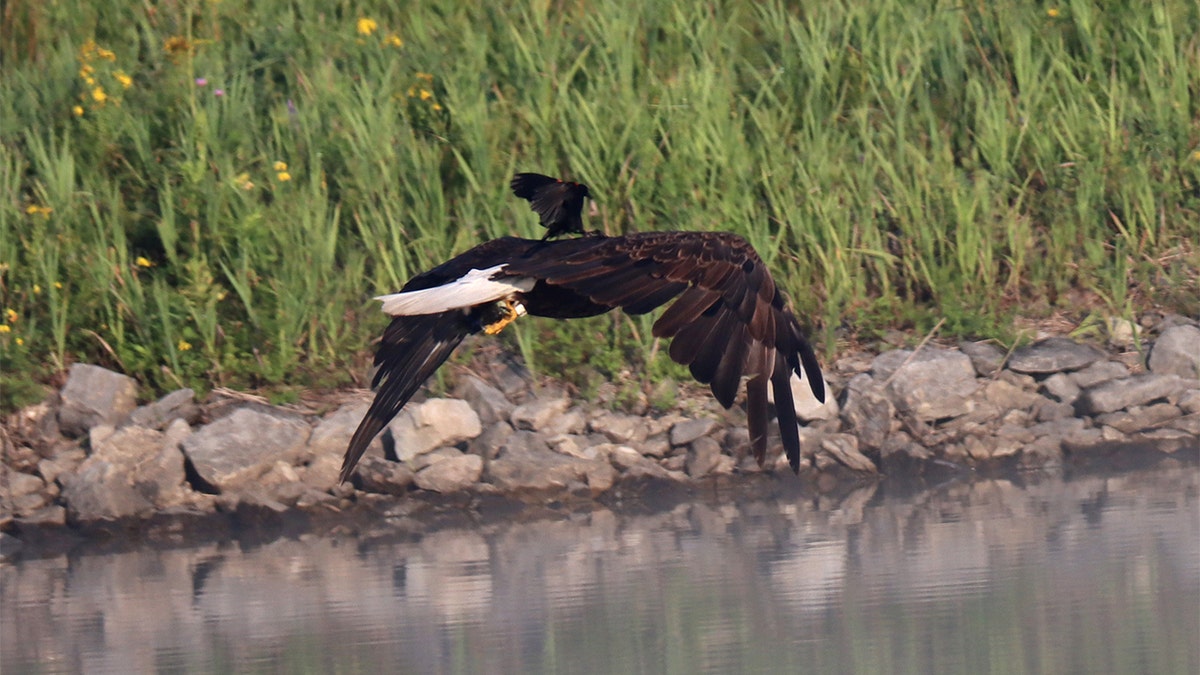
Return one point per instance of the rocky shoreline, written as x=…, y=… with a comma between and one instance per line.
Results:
x=93, y=458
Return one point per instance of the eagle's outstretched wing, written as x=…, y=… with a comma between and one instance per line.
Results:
x=729, y=319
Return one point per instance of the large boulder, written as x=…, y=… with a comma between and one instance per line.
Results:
x=433, y=424
x=931, y=384
x=1177, y=352
x=95, y=395
x=132, y=472
x=1053, y=355
x=238, y=448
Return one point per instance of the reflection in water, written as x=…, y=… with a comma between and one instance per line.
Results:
x=1097, y=574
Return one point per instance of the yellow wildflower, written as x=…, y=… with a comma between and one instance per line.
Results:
x=37, y=289
x=86, y=70
x=77, y=111
x=125, y=80
x=143, y=261
x=426, y=94
x=243, y=181
x=58, y=284
x=283, y=176
x=5, y=328
x=280, y=166
x=99, y=95
x=1052, y=12
x=105, y=54
x=1196, y=155
x=437, y=107
x=366, y=26
x=176, y=44
x=35, y=210
x=412, y=91
x=20, y=341
x=183, y=345
x=425, y=76
x=394, y=40
x=11, y=315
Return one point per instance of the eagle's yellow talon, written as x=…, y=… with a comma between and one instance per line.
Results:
x=515, y=309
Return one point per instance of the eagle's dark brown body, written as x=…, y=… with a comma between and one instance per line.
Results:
x=728, y=318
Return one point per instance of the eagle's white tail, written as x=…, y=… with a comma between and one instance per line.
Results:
x=473, y=288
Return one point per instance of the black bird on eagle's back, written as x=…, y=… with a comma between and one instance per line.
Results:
x=728, y=318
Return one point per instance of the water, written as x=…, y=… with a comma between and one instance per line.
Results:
x=1095, y=574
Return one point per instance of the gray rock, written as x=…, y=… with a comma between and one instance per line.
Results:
x=1100, y=371
x=525, y=463
x=1136, y=390
x=322, y=472
x=240, y=447
x=100, y=433
x=1138, y=417
x=378, y=475
x=1167, y=440
x=844, y=449
x=1177, y=352
x=47, y=516
x=1045, y=409
x=620, y=428
x=985, y=357
x=573, y=445
x=62, y=463
x=419, y=462
x=572, y=421
x=866, y=411
x=934, y=384
x=600, y=476
x=488, y=443
x=537, y=414
x=435, y=423
x=1188, y=423
x=687, y=431
x=1189, y=402
x=885, y=365
x=703, y=455
x=179, y=404
x=1007, y=396
x=1042, y=452
x=332, y=434
x=131, y=473
x=94, y=395
x=14, y=485
x=1059, y=428
x=625, y=458
x=1053, y=355
x=452, y=474
x=1061, y=387
x=488, y=402
x=655, y=446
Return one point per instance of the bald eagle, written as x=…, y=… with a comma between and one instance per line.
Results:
x=728, y=318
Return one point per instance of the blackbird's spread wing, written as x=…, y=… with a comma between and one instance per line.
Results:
x=558, y=203
x=412, y=348
x=729, y=320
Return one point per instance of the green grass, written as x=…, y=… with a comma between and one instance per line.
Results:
x=896, y=163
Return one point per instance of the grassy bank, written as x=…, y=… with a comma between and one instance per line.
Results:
x=209, y=192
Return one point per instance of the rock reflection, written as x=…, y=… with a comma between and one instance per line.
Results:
x=1095, y=574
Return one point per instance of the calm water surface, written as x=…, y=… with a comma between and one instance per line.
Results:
x=1090, y=575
